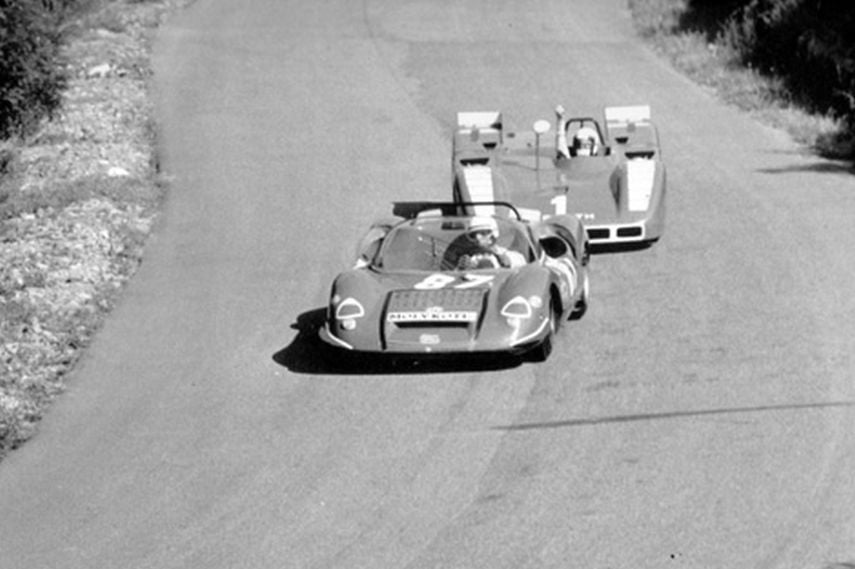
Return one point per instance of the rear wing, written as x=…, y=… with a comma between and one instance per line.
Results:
x=477, y=136
x=632, y=128
x=490, y=122
x=624, y=115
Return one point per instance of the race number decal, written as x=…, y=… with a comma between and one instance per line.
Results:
x=560, y=204
x=434, y=282
x=472, y=281
x=438, y=280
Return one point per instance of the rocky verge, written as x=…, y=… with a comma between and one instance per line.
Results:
x=77, y=201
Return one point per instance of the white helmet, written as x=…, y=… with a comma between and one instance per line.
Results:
x=484, y=224
x=585, y=142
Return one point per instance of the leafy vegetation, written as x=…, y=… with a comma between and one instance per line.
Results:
x=31, y=79
x=792, y=62
x=809, y=45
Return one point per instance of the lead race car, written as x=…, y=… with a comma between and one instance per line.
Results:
x=447, y=277
x=611, y=178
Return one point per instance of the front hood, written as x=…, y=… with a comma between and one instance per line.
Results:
x=443, y=306
x=622, y=195
x=439, y=312
x=462, y=311
x=426, y=318
x=580, y=187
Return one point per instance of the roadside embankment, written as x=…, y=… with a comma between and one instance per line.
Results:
x=77, y=199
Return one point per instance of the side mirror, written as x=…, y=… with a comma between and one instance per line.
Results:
x=369, y=246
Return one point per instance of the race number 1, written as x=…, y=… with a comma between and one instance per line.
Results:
x=560, y=204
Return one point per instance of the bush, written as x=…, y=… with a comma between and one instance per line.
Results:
x=31, y=77
x=810, y=45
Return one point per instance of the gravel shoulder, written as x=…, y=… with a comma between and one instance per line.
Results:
x=77, y=201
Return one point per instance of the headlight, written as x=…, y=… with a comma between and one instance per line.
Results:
x=349, y=308
x=517, y=307
x=347, y=311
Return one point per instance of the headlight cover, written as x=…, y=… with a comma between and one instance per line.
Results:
x=349, y=309
x=517, y=307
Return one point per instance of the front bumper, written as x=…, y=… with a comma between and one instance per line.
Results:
x=431, y=341
x=636, y=232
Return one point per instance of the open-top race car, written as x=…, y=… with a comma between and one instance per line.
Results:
x=611, y=178
x=446, y=277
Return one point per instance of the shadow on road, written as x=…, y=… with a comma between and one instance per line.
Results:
x=819, y=167
x=593, y=421
x=308, y=354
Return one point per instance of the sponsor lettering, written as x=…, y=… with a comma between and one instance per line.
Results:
x=433, y=314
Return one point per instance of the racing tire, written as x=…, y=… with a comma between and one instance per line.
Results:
x=540, y=353
x=581, y=304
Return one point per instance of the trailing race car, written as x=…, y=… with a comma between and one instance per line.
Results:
x=444, y=277
x=612, y=179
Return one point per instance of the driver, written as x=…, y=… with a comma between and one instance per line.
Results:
x=484, y=250
x=585, y=140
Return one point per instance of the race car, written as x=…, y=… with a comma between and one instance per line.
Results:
x=612, y=178
x=449, y=277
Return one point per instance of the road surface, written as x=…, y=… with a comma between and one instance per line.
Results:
x=701, y=414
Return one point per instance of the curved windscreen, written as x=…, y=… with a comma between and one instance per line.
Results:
x=450, y=243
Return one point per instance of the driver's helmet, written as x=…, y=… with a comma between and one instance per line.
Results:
x=483, y=231
x=585, y=142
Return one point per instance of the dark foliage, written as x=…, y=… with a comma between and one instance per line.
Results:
x=31, y=76
x=808, y=44
x=709, y=16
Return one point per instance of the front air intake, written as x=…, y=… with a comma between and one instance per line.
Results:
x=598, y=233
x=629, y=232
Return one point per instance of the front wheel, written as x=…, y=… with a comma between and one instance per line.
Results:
x=540, y=353
x=581, y=304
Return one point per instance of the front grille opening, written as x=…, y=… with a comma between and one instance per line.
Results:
x=629, y=232
x=416, y=325
x=598, y=233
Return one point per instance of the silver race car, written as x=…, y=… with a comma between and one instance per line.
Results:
x=445, y=278
x=611, y=178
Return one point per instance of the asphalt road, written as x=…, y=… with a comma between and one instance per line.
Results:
x=700, y=415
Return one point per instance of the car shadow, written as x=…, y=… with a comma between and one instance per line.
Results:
x=672, y=415
x=308, y=354
x=819, y=167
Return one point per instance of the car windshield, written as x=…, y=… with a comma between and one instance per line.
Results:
x=438, y=243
